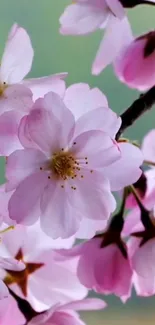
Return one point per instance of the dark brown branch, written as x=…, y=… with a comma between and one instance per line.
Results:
x=133, y=3
x=138, y=108
x=24, y=306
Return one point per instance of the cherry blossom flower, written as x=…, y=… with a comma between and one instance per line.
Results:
x=68, y=163
x=138, y=72
x=105, y=269
x=45, y=280
x=15, y=94
x=67, y=314
x=141, y=247
x=9, y=312
x=86, y=16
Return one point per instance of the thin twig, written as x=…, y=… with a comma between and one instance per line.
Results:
x=138, y=108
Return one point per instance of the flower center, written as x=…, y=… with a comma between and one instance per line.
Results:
x=63, y=165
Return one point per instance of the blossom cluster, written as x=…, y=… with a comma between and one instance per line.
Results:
x=65, y=162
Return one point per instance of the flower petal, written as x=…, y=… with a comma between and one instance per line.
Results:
x=118, y=34
x=148, y=146
x=98, y=149
x=101, y=118
x=93, y=198
x=24, y=203
x=41, y=86
x=25, y=162
x=16, y=97
x=80, y=99
x=82, y=18
x=17, y=57
x=58, y=216
x=126, y=170
x=9, y=141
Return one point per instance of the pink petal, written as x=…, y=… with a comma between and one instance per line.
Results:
x=41, y=86
x=143, y=261
x=25, y=162
x=24, y=134
x=9, y=140
x=116, y=7
x=82, y=19
x=112, y=271
x=4, y=292
x=88, y=228
x=98, y=147
x=138, y=75
x=16, y=97
x=120, y=176
x=17, y=57
x=148, y=146
x=9, y=312
x=100, y=118
x=93, y=198
x=118, y=34
x=85, y=304
x=9, y=263
x=45, y=123
x=24, y=203
x=58, y=216
x=144, y=287
x=80, y=99
x=86, y=263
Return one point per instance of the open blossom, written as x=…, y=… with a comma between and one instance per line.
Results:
x=67, y=314
x=105, y=269
x=66, y=170
x=15, y=93
x=135, y=64
x=45, y=281
x=142, y=247
x=10, y=313
x=86, y=16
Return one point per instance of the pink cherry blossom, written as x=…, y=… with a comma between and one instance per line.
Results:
x=9, y=313
x=142, y=262
x=67, y=314
x=136, y=62
x=132, y=220
x=103, y=269
x=15, y=94
x=148, y=146
x=68, y=163
x=45, y=280
x=86, y=16
x=142, y=256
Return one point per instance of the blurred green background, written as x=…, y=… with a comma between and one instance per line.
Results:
x=55, y=53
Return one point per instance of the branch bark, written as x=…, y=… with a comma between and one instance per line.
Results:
x=138, y=108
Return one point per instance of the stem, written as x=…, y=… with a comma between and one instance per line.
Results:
x=24, y=307
x=138, y=108
x=117, y=221
x=145, y=214
x=133, y=3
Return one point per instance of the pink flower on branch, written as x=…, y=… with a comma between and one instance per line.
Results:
x=67, y=313
x=135, y=65
x=66, y=171
x=86, y=16
x=45, y=280
x=15, y=93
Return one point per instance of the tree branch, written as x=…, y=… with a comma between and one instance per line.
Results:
x=138, y=108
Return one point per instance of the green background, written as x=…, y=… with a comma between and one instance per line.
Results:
x=55, y=53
